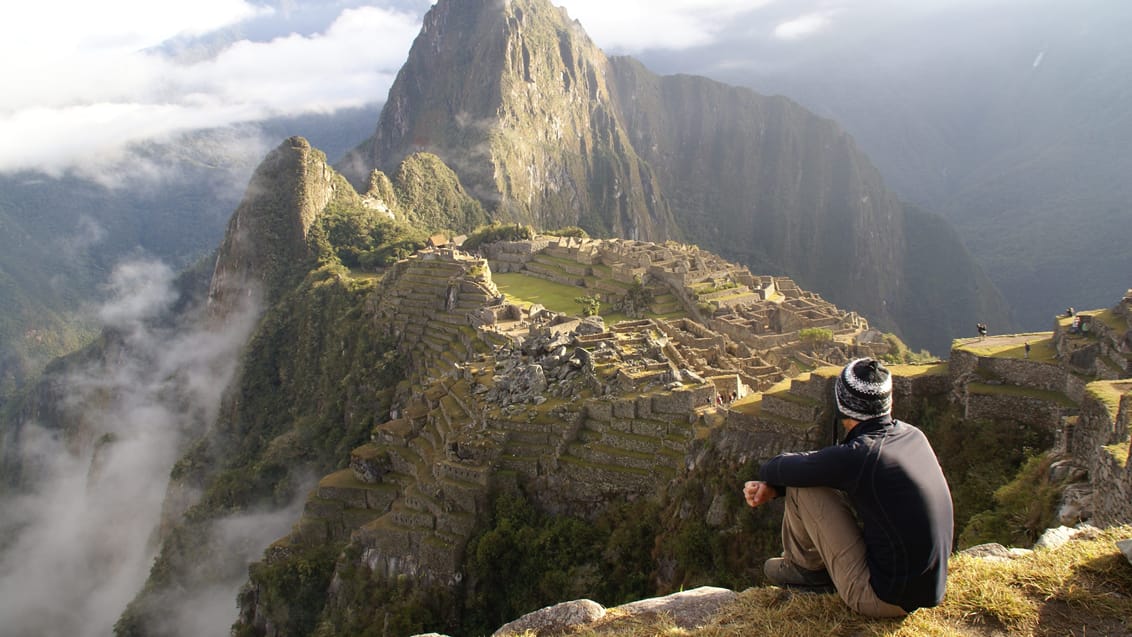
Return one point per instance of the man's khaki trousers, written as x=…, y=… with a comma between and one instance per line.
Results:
x=819, y=531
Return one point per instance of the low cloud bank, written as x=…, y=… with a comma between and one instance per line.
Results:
x=78, y=546
x=78, y=99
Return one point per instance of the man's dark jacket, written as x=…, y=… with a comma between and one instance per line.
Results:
x=892, y=477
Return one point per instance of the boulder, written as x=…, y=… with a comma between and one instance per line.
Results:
x=688, y=609
x=1126, y=548
x=1076, y=504
x=554, y=618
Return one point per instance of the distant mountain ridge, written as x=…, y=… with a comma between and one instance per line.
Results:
x=1009, y=121
x=544, y=129
x=61, y=236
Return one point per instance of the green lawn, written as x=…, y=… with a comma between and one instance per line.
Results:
x=1041, y=348
x=524, y=290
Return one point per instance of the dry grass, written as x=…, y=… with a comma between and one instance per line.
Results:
x=1082, y=589
x=915, y=371
x=1013, y=346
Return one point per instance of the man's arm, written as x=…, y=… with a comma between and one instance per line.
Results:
x=832, y=466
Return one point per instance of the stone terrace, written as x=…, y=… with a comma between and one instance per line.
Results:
x=494, y=393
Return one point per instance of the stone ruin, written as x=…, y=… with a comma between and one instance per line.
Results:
x=581, y=412
x=576, y=409
x=756, y=322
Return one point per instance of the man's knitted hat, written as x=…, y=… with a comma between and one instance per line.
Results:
x=864, y=390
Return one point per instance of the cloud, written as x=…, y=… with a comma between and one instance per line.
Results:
x=234, y=542
x=804, y=26
x=633, y=26
x=78, y=546
x=139, y=290
x=89, y=95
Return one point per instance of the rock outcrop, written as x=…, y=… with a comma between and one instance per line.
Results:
x=265, y=246
x=687, y=610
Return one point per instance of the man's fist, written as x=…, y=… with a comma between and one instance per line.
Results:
x=757, y=493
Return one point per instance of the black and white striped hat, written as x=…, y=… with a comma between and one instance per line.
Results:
x=864, y=390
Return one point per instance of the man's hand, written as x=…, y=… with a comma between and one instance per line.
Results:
x=757, y=493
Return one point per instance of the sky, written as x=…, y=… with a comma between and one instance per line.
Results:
x=121, y=71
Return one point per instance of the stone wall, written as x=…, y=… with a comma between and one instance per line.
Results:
x=1034, y=412
x=1026, y=373
x=1046, y=376
x=1095, y=440
x=512, y=256
x=1096, y=426
x=746, y=438
x=1111, y=477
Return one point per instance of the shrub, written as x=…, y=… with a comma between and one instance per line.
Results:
x=816, y=335
x=1023, y=508
x=484, y=235
x=569, y=231
x=591, y=305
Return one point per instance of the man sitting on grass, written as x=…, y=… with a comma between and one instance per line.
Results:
x=871, y=516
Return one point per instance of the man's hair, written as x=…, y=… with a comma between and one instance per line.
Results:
x=863, y=390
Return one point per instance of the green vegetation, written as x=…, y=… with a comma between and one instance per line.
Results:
x=979, y=458
x=1108, y=394
x=524, y=289
x=1113, y=322
x=368, y=605
x=901, y=353
x=1022, y=510
x=699, y=554
x=527, y=560
x=361, y=238
x=919, y=369
x=315, y=377
x=1041, y=347
x=637, y=300
x=433, y=198
x=568, y=231
x=591, y=305
x=292, y=588
x=816, y=335
x=484, y=235
x=1119, y=451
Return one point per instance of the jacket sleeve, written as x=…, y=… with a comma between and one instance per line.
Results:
x=829, y=467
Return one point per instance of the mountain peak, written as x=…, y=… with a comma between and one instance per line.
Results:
x=266, y=240
x=544, y=129
x=514, y=97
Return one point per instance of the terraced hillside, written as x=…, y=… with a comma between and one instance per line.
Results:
x=501, y=390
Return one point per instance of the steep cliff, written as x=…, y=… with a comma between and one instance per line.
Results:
x=514, y=97
x=545, y=129
x=265, y=246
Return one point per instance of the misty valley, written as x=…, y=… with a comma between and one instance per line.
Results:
x=498, y=354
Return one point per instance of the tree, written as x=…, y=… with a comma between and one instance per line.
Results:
x=591, y=305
